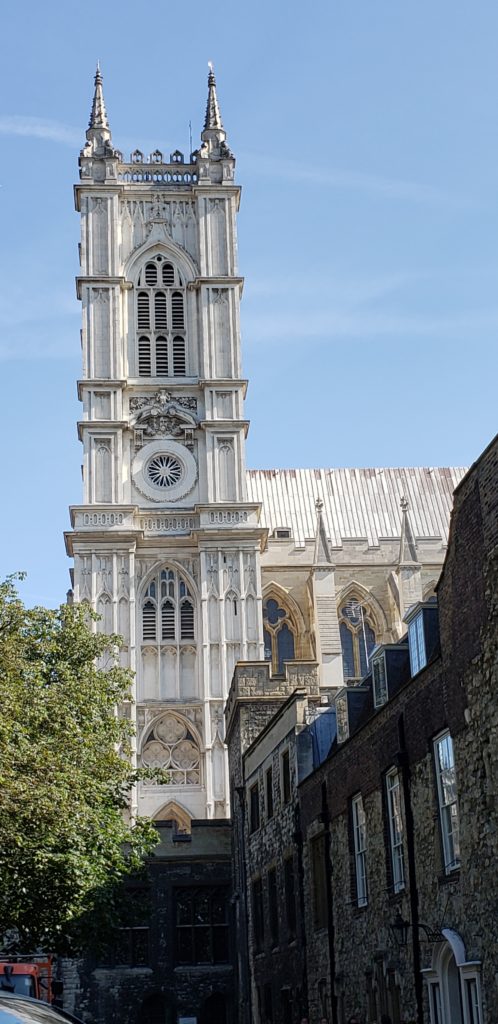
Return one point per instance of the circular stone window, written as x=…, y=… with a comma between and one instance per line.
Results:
x=164, y=471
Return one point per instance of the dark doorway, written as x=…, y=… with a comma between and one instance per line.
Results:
x=214, y=1010
x=153, y=1010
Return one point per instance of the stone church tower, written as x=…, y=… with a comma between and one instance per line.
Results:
x=197, y=563
x=166, y=544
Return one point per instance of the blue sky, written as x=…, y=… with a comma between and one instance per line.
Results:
x=367, y=144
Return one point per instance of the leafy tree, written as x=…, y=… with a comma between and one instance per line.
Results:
x=65, y=777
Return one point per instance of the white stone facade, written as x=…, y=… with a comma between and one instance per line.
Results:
x=166, y=545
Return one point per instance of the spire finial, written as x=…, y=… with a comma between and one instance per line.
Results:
x=404, y=505
x=212, y=120
x=98, y=116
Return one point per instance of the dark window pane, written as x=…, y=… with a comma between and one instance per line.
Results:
x=273, y=613
x=202, y=945
x=285, y=645
x=273, y=905
x=183, y=909
x=347, y=651
x=184, y=949
x=267, y=644
x=201, y=912
x=220, y=945
x=219, y=908
x=366, y=639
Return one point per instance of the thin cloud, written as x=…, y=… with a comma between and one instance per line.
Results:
x=389, y=188
x=39, y=128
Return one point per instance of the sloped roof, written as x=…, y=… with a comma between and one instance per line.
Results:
x=357, y=503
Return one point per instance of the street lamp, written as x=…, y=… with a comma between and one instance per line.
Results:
x=400, y=929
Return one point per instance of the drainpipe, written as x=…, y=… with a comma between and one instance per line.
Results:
x=298, y=839
x=412, y=875
x=243, y=957
x=330, y=905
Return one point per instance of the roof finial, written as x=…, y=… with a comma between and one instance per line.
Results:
x=322, y=554
x=212, y=120
x=98, y=116
x=407, y=544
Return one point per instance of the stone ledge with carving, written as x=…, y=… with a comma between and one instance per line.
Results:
x=163, y=415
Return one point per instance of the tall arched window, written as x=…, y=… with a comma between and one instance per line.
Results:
x=168, y=609
x=357, y=638
x=278, y=635
x=160, y=320
x=168, y=629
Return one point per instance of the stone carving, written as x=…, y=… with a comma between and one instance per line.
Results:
x=164, y=416
x=191, y=567
x=172, y=745
x=123, y=576
x=249, y=575
x=217, y=724
x=104, y=575
x=212, y=572
x=86, y=577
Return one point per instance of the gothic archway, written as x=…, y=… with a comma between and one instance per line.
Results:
x=180, y=817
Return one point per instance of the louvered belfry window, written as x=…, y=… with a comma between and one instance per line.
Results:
x=160, y=320
x=168, y=612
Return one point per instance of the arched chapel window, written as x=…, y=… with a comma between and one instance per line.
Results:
x=160, y=320
x=278, y=635
x=357, y=639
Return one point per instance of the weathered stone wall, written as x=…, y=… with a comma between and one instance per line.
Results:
x=255, y=698
x=110, y=992
x=457, y=692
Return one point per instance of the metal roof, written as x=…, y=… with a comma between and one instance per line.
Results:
x=359, y=504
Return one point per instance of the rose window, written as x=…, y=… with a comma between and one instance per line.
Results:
x=171, y=746
x=164, y=470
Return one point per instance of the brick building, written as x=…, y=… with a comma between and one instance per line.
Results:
x=398, y=824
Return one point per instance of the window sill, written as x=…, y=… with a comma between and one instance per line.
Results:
x=203, y=967
x=450, y=876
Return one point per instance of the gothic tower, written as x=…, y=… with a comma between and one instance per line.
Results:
x=166, y=545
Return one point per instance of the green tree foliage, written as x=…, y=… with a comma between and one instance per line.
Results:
x=65, y=777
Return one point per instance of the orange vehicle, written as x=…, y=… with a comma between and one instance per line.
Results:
x=30, y=975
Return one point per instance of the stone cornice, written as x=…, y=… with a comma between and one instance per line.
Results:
x=220, y=281
x=101, y=425
x=224, y=382
x=217, y=425
x=98, y=282
x=99, y=382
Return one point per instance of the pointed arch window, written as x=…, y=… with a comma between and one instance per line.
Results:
x=168, y=609
x=357, y=638
x=278, y=635
x=160, y=320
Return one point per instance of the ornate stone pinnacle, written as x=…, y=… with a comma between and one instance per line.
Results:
x=212, y=120
x=404, y=505
x=319, y=505
x=98, y=116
